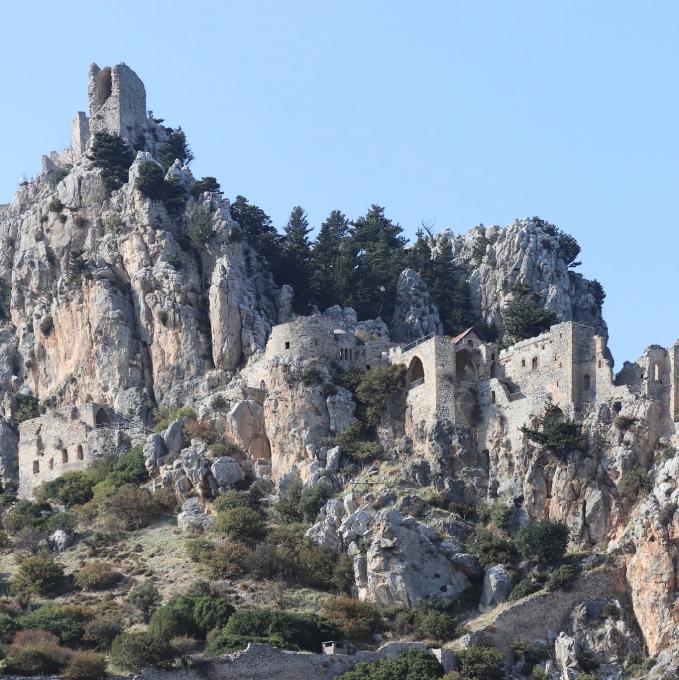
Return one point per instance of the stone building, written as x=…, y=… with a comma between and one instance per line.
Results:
x=117, y=105
x=66, y=440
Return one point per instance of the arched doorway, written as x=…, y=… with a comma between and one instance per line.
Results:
x=465, y=368
x=415, y=372
x=102, y=417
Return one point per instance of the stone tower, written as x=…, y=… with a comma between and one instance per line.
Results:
x=117, y=105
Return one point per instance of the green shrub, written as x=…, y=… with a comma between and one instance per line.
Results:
x=112, y=155
x=28, y=407
x=199, y=549
x=152, y=183
x=435, y=625
x=135, y=651
x=174, y=147
x=66, y=621
x=35, y=652
x=56, y=175
x=200, y=227
x=555, y=434
x=413, y=664
x=205, y=184
x=55, y=205
x=71, y=488
x=527, y=586
x=562, y=578
x=304, y=631
x=85, y=666
x=165, y=417
x=228, y=559
x=101, y=630
x=491, y=549
x=145, y=598
x=24, y=513
x=8, y=626
x=240, y=524
x=525, y=316
x=38, y=574
x=544, y=541
x=234, y=499
x=480, y=663
x=174, y=619
x=311, y=377
x=358, y=443
x=97, y=575
x=312, y=499
x=357, y=620
x=375, y=389
x=219, y=642
x=132, y=508
x=632, y=483
x=211, y=612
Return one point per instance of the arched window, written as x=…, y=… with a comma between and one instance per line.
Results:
x=262, y=385
x=534, y=364
x=415, y=372
x=36, y=467
x=523, y=363
x=50, y=464
x=79, y=454
x=492, y=396
x=587, y=383
x=656, y=373
x=64, y=456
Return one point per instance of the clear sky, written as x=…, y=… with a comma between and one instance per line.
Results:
x=451, y=112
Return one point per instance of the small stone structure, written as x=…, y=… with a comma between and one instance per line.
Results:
x=262, y=662
x=64, y=440
x=117, y=105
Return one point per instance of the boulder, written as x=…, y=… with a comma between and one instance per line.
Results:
x=154, y=451
x=60, y=540
x=497, y=585
x=227, y=473
x=192, y=517
x=173, y=436
x=415, y=315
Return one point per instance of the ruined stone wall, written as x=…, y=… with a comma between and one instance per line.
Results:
x=535, y=616
x=60, y=441
x=80, y=134
x=315, y=337
x=262, y=662
x=117, y=102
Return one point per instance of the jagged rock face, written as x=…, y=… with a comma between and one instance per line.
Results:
x=148, y=317
x=415, y=315
x=522, y=253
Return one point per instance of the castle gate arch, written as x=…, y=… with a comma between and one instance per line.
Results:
x=415, y=374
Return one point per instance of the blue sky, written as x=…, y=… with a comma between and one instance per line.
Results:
x=451, y=112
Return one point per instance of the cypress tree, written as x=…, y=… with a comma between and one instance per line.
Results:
x=297, y=257
x=326, y=269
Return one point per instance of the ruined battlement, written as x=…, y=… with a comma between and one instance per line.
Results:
x=117, y=105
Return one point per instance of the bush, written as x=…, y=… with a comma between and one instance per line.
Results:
x=303, y=631
x=544, y=541
x=85, y=666
x=491, y=549
x=200, y=227
x=175, y=147
x=135, y=651
x=165, y=417
x=56, y=175
x=240, y=524
x=145, y=598
x=151, y=182
x=112, y=155
x=100, y=631
x=199, y=549
x=28, y=407
x=71, y=488
x=66, y=621
x=38, y=574
x=228, y=560
x=435, y=625
x=375, y=389
x=234, y=499
x=35, y=652
x=97, y=575
x=203, y=185
x=525, y=316
x=8, y=626
x=480, y=663
x=527, y=586
x=173, y=619
x=211, y=612
x=555, y=434
x=132, y=507
x=357, y=620
x=413, y=664
x=632, y=483
x=358, y=443
x=562, y=578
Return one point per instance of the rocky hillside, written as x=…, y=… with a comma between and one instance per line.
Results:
x=263, y=472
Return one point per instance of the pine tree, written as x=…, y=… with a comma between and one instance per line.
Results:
x=297, y=257
x=326, y=273
x=525, y=316
x=378, y=253
x=258, y=230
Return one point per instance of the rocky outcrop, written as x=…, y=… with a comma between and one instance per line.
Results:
x=415, y=315
x=497, y=586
